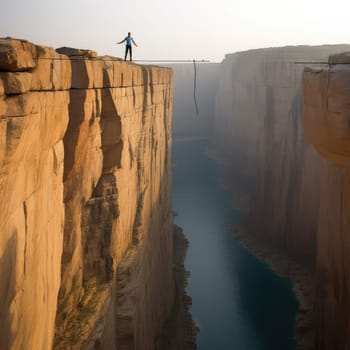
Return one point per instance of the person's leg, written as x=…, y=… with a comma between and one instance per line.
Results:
x=128, y=49
x=130, y=52
x=126, y=52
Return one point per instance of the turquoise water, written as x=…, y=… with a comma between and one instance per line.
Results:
x=238, y=301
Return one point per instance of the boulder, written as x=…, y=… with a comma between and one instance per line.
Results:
x=17, y=55
x=70, y=51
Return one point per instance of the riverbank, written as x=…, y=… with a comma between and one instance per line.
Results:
x=286, y=266
x=180, y=330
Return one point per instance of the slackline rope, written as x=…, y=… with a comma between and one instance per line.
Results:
x=195, y=86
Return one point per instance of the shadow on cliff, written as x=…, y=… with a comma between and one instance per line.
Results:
x=87, y=263
x=101, y=210
x=8, y=262
x=76, y=118
x=94, y=228
x=111, y=129
x=140, y=294
x=145, y=280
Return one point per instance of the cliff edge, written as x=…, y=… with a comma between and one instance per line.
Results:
x=326, y=113
x=86, y=243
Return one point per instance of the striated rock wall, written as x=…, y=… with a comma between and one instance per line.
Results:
x=86, y=227
x=259, y=133
x=33, y=118
x=326, y=110
x=296, y=193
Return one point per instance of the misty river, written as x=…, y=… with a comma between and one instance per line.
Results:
x=238, y=302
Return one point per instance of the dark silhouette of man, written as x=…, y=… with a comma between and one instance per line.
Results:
x=128, y=48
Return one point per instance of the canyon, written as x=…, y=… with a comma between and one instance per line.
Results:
x=89, y=255
x=86, y=221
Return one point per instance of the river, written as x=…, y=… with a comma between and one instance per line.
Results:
x=238, y=301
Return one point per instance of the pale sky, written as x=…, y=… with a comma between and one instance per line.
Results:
x=178, y=29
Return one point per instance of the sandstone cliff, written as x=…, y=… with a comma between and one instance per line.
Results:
x=295, y=201
x=86, y=243
x=259, y=134
x=326, y=110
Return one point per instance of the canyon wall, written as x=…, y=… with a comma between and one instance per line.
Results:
x=86, y=243
x=326, y=110
x=273, y=171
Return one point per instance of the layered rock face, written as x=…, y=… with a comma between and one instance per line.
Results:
x=326, y=106
x=86, y=244
x=33, y=118
x=259, y=133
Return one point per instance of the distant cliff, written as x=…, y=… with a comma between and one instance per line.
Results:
x=86, y=228
x=295, y=201
x=259, y=134
x=326, y=96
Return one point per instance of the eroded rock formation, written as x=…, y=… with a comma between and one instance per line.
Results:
x=86, y=243
x=326, y=92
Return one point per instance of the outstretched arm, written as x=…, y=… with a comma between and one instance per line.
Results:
x=120, y=42
x=134, y=42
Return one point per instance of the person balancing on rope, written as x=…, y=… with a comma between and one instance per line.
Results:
x=128, y=48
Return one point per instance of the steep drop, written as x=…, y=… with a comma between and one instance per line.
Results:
x=86, y=243
x=326, y=105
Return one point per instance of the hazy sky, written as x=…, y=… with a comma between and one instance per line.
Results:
x=178, y=29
